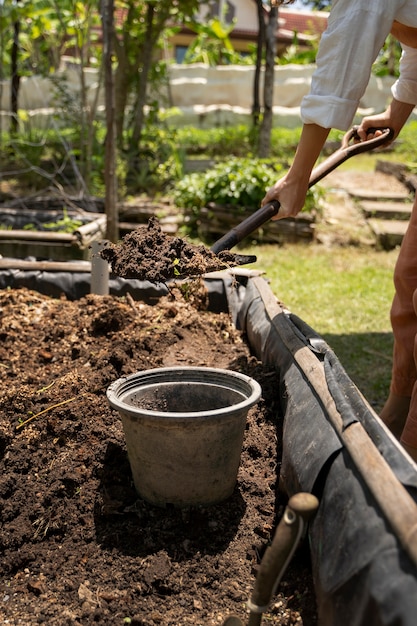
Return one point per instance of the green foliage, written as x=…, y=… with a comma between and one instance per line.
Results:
x=236, y=182
x=293, y=54
x=45, y=31
x=65, y=224
x=216, y=142
x=212, y=44
x=387, y=63
x=239, y=141
x=158, y=162
x=405, y=146
x=319, y=5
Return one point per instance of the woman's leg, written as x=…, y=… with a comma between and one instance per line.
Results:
x=404, y=326
x=409, y=435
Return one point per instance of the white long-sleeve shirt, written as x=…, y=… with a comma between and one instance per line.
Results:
x=355, y=34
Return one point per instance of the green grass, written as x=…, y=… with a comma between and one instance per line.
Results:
x=345, y=295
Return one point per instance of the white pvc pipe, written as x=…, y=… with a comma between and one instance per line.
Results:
x=99, y=271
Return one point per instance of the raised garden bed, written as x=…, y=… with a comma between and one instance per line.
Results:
x=214, y=220
x=80, y=547
x=39, y=233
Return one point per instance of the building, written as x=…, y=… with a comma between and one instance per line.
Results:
x=306, y=25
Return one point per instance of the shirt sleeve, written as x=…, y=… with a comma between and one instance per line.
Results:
x=355, y=34
x=405, y=88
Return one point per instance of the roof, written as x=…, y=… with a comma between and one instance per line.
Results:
x=306, y=22
x=302, y=22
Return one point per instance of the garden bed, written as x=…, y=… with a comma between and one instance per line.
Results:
x=49, y=234
x=80, y=547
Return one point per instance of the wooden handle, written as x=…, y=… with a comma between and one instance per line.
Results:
x=265, y=213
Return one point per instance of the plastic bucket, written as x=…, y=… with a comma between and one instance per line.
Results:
x=184, y=429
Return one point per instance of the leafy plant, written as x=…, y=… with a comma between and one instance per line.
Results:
x=239, y=183
x=212, y=44
x=65, y=224
x=236, y=182
x=158, y=163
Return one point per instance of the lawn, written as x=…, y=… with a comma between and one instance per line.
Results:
x=345, y=295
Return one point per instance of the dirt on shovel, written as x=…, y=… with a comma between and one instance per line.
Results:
x=147, y=253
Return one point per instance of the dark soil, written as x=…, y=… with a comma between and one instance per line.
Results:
x=147, y=253
x=78, y=545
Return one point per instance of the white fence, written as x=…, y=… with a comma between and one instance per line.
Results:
x=198, y=94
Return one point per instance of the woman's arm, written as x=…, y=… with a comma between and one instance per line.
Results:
x=292, y=189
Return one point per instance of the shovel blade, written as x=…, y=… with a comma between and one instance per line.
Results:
x=244, y=259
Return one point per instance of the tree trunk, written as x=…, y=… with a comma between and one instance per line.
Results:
x=112, y=229
x=122, y=83
x=139, y=112
x=15, y=81
x=256, y=106
x=266, y=126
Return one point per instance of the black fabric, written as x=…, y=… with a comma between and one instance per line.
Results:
x=362, y=575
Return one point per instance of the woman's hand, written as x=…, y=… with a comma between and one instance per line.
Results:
x=394, y=117
x=291, y=190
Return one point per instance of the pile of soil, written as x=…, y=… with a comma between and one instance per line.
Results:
x=147, y=253
x=78, y=545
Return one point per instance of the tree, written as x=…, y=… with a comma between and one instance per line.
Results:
x=318, y=5
x=265, y=59
x=15, y=77
x=267, y=118
x=33, y=37
x=137, y=36
x=256, y=106
x=80, y=20
x=107, y=18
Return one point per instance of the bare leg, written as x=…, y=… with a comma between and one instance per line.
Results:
x=402, y=399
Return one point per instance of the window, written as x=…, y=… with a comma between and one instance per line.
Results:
x=180, y=52
x=223, y=9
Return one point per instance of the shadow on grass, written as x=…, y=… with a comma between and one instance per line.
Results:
x=367, y=359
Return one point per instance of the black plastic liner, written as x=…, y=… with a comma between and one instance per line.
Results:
x=363, y=573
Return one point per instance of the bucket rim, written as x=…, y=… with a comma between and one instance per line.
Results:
x=126, y=383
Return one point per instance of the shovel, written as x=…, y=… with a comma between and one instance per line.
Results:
x=265, y=213
x=291, y=529
x=146, y=254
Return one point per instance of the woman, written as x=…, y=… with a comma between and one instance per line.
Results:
x=354, y=36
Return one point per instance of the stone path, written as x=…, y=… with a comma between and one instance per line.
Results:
x=379, y=203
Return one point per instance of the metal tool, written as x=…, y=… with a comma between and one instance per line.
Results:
x=300, y=508
x=278, y=555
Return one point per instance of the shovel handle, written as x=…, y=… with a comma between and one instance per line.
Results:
x=246, y=227
x=348, y=150
x=266, y=212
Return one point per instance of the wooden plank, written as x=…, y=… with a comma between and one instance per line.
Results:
x=388, y=233
x=45, y=266
x=36, y=235
x=387, y=210
x=370, y=194
x=91, y=231
x=390, y=494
